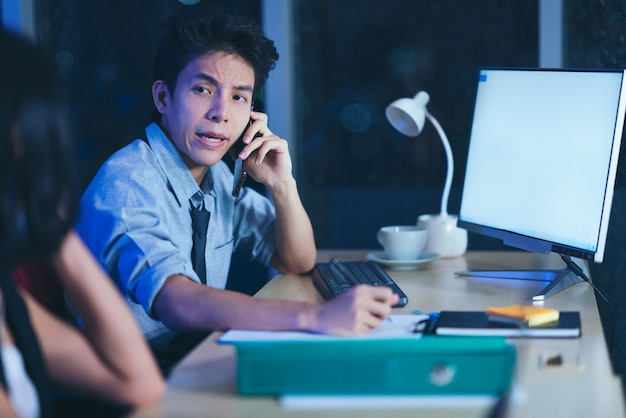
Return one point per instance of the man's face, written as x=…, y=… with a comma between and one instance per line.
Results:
x=209, y=108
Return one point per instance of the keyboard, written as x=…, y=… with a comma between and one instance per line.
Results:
x=335, y=277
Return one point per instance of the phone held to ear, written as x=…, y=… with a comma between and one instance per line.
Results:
x=240, y=175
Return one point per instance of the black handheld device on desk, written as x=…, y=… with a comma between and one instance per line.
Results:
x=335, y=277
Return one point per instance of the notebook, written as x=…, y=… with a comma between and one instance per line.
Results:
x=477, y=323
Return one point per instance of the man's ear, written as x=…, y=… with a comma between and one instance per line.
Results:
x=160, y=96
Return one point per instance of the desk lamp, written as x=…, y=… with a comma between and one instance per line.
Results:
x=408, y=116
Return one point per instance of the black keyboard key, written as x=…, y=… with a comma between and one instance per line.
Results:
x=333, y=278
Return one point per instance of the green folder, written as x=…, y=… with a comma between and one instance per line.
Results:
x=430, y=365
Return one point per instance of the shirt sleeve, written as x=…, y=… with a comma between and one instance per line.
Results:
x=126, y=227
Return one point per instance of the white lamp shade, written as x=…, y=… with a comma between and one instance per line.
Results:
x=408, y=116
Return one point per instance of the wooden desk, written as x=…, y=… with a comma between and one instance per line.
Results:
x=203, y=384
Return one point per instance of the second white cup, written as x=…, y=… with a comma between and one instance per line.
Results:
x=403, y=242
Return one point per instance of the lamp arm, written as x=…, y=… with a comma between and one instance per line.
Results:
x=450, y=162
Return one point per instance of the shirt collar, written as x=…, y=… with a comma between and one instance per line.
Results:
x=179, y=177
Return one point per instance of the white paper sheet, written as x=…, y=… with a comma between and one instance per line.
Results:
x=396, y=326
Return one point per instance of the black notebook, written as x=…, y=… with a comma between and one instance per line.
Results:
x=477, y=323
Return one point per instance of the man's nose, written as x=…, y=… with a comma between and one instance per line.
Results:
x=218, y=110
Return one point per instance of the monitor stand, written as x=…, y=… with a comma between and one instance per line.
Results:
x=558, y=279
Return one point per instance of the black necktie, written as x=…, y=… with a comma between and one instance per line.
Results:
x=199, y=223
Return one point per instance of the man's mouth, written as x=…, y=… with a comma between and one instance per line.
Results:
x=210, y=138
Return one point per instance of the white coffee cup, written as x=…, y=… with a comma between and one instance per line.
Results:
x=403, y=242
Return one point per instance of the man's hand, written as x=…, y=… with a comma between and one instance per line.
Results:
x=269, y=161
x=357, y=311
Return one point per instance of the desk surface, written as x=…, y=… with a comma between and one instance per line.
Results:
x=203, y=384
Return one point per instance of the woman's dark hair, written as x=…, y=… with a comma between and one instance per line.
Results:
x=38, y=197
x=188, y=37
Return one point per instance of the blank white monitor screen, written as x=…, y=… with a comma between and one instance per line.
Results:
x=543, y=157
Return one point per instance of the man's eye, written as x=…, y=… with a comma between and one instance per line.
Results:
x=203, y=90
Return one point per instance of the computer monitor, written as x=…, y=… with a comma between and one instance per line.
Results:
x=542, y=162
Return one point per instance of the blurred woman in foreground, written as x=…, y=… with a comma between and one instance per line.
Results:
x=109, y=360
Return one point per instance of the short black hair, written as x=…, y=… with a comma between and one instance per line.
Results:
x=38, y=193
x=188, y=37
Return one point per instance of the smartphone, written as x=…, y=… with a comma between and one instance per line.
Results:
x=239, y=173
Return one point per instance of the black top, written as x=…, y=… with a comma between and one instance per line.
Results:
x=18, y=322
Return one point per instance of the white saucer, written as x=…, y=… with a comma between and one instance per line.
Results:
x=381, y=258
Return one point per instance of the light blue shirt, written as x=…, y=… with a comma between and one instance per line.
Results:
x=135, y=218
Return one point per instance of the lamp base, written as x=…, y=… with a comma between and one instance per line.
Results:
x=444, y=237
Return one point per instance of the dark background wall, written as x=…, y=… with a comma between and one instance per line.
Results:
x=354, y=57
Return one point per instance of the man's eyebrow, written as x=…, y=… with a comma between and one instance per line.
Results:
x=210, y=79
x=206, y=77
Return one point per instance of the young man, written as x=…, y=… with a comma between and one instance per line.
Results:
x=136, y=212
